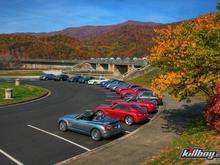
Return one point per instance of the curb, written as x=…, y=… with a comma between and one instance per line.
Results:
x=110, y=143
x=28, y=101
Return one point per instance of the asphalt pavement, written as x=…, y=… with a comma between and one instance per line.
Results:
x=29, y=132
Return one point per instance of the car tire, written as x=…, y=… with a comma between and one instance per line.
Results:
x=63, y=126
x=95, y=83
x=100, y=113
x=96, y=134
x=155, y=101
x=129, y=120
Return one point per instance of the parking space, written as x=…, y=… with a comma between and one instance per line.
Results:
x=32, y=134
x=5, y=158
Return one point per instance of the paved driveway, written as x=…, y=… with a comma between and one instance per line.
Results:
x=29, y=133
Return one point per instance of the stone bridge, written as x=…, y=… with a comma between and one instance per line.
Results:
x=115, y=66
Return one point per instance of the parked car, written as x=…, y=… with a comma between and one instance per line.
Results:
x=114, y=86
x=146, y=95
x=113, y=83
x=89, y=123
x=122, y=85
x=128, y=113
x=85, y=79
x=133, y=91
x=129, y=87
x=96, y=81
x=61, y=77
x=47, y=77
x=150, y=106
x=103, y=84
x=74, y=79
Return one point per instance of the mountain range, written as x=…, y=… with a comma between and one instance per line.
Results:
x=128, y=39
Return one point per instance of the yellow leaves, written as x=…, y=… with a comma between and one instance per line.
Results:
x=187, y=51
x=194, y=45
x=163, y=82
x=191, y=87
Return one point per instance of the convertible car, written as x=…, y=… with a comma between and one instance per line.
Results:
x=151, y=107
x=126, y=112
x=89, y=123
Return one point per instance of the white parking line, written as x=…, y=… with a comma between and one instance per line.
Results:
x=59, y=137
x=10, y=157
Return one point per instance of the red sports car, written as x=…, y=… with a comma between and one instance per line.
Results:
x=128, y=113
x=134, y=91
x=118, y=90
x=151, y=107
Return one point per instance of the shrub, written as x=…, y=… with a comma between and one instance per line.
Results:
x=212, y=112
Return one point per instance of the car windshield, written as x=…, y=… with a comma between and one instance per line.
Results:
x=137, y=107
x=88, y=115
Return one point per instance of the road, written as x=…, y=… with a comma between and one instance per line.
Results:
x=29, y=132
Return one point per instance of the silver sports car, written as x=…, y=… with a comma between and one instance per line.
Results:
x=89, y=123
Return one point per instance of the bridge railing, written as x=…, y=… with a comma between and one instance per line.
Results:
x=120, y=61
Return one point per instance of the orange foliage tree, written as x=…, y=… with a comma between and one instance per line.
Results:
x=189, y=53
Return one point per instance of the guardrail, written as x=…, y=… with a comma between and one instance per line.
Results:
x=117, y=61
x=120, y=61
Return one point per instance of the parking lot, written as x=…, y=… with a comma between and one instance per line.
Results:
x=29, y=132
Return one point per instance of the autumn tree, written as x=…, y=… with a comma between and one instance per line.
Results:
x=189, y=53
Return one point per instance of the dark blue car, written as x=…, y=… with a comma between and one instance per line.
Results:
x=74, y=79
x=61, y=77
x=85, y=79
x=47, y=77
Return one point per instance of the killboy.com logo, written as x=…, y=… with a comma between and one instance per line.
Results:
x=193, y=153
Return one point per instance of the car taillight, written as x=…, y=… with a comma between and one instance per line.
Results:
x=107, y=127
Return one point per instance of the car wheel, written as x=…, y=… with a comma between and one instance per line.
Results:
x=95, y=83
x=100, y=113
x=63, y=126
x=155, y=101
x=129, y=120
x=46, y=78
x=96, y=134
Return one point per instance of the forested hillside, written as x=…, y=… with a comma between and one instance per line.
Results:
x=128, y=39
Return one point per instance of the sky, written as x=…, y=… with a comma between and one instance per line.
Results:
x=54, y=15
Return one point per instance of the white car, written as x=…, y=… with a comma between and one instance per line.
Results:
x=96, y=81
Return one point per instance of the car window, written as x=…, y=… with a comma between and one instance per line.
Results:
x=122, y=107
x=147, y=94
